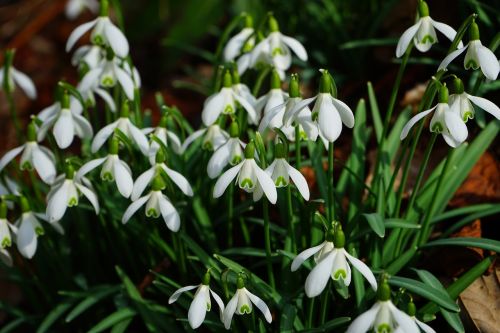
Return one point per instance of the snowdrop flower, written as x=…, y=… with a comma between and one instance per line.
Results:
x=445, y=121
x=113, y=169
x=126, y=127
x=213, y=138
x=423, y=326
x=107, y=73
x=281, y=172
x=167, y=137
x=243, y=91
x=10, y=77
x=89, y=55
x=332, y=264
x=423, y=32
x=224, y=102
x=156, y=204
x=33, y=156
x=249, y=176
x=461, y=103
x=242, y=42
x=66, y=122
x=75, y=7
x=201, y=302
x=257, y=58
x=328, y=112
x=230, y=153
x=160, y=170
x=279, y=45
x=104, y=33
x=5, y=238
x=241, y=303
x=383, y=316
x=65, y=192
x=8, y=186
x=477, y=56
x=89, y=93
x=5, y=257
x=273, y=105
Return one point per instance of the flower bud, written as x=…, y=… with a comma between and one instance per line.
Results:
x=273, y=24
x=443, y=94
x=423, y=9
x=412, y=309
x=275, y=80
x=240, y=283
x=250, y=150
x=31, y=132
x=24, y=204
x=325, y=83
x=206, y=279
x=458, y=85
x=473, y=31
x=160, y=156
x=384, y=291
x=227, y=80
x=234, y=130
x=339, y=240
x=294, y=88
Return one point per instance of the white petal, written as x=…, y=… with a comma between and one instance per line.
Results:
x=123, y=179
x=484, y=104
x=116, y=39
x=406, y=38
x=90, y=195
x=225, y=179
x=169, y=214
x=64, y=130
x=304, y=255
x=235, y=43
x=179, y=291
x=229, y=311
x=220, y=303
x=89, y=166
x=403, y=320
x=247, y=106
x=488, y=62
x=107, y=98
x=10, y=155
x=198, y=308
x=179, y=180
x=175, y=142
x=24, y=82
x=424, y=327
x=363, y=269
x=446, y=30
x=142, y=182
x=296, y=47
x=58, y=202
x=212, y=109
x=195, y=135
x=103, y=135
x=299, y=181
x=456, y=126
x=84, y=129
x=365, y=321
x=413, y=121
x=266, y=183
x=4, y=254
x=90, y=80
x=450, y=57
x=126, y=82
x=450, y=140
x=44, y=166
x=134, y=206
x=329, y=121
x=78, y=33
x=139, y=138
x=26, y=239
x=345, y=112
x=261, y=305
x=219, y=160
x=318, y=278
x=269, y=117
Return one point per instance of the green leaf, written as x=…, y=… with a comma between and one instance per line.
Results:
x=54, y=315
x=246, y=252
x=376, y=222
x=89, y=302
x=329, y=325
x=482, y=243
x=287, y=318
x=12, y=325
x=113, y=319
x=122, y=326
x=377, y=120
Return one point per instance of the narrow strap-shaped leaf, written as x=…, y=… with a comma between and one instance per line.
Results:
x=482, y=243
x=376, y=222
x=113, y=319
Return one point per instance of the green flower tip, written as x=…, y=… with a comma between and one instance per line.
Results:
x=235, y=75
x=473, y=31
x=412, y=309
x=158, y=183
x=234, y=130
x=339, y=239
x=248, y=21
x=325, y=83
x=70, y=171
x=227, y=79
x=273, y=24
x=160, y=156
x=250, y=150
x=423, y=9
x=443, y=94
x=384, y=290
x=458, y=85
x=3, y=210
x=280, y=150
x=330, y=235
x=65, y=100
x=240, y=283
x=114, y=145
x=104, y=9
x=275, y=80
x=125, y=111
x=31, y=132
x=24, y=204
x=206, y=278
x=294, y=88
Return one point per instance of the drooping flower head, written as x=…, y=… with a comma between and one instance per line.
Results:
x=241, y=43
x=230, y=153
x=5, y=237
x=75, y=7
x=10, y=77
x=164, y=135
x=272, y=105
x=213, y=137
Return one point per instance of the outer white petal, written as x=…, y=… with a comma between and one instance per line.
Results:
x=169, y=214
x=142, y=182
x=78, y=33
x=10, y=155
x=64, y=129
x=5, y=255
x=234, y=45
x=44, y=166
x=107, y=98
x=139, y=138
x=424, y=327
x=212, y=109
x=299, y=181
x=329, y=121
x=446, y=30
x=456, y=126
x=123, y=178
x=90, y=80
x=198, y=308
x=403, y=320
x=488, y=62
x=89, y=166
x=228, y=313
x=58, y=202
x=269, y=116
x=225, y=179
x=484, y=104
x=304, y=255
x=413, y=121
x=406, y=38
x=365, y=321
x=450, y=140
x=296, y=47
x=26, y=239
x=267, y=184
x=363, y=269
x=116, y=39
x=450, y=57
x=83, y=126
x=179, y=180
x=247, y=106
x=243, y=63
x=103, y=135
x=178, y=293
x=318, y=278
x=175, y=142
x=261, y=305
x=345, y=112
x=24, y=82
x=134, y=206
x=90, y=195
x=195, y=135
x=219, y=160
x=220, y=303
x=126, y=82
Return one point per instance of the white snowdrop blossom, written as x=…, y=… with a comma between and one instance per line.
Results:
x=10, y=77
x=126, y=127
x=242, y=303
x=74, y=8
x=8, y=186
x=213, y=138
x=167, y=137
x=66, y=191
x=156, y=204
x=230, y=153
x=225, y=102
x=104, y=33
x=5, y=237
x=445, y=121
x=241, y=43
x=423, y=32
x=477, y=56
x=201, y=302
x=272, y=105
x=244, y=93
x=249, y=176
x=90, y=55
x=33, y=156
x=462, y=103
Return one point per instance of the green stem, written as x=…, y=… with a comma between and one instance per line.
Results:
x=291, y=221
x=260, y=79
x=297, y=147
x=397, y=167
x=267, y=240
x=14, y=116
x=324, y=305
x=230, y=217
x=310, y=314
x=331, y=212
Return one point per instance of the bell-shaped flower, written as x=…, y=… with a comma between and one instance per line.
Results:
x=213, y=138
x=242, y=303
x=445, y=121
x=243, y=92
x=230, y=153
x=66, y=122
x=201, y=302
x=74, y=8
x=33, y=156
x=8, y=186
x=383, y=316
x=156, y=204
x=163, y=134
x=66, y=191
x=5, y=238
x=90, y=55
x=240, y=43
x=249, y=176
x=423, y=326
x=113, y=170
x=104, y=33
x=10, y=77
x=462, y=103
x=280, y=47
x=273, y=105
x=224, y=102
x=477, y=56
x=423, y=32
x=328, y=112
x=126, y=127
x=257, y=58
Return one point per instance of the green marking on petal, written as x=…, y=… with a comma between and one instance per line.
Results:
x=209, y=306
x=73, y=202
x=108, y=81
x=247, y=47
x=427, y=39
x=437, y=128
x=152, y=213
x=107, y=176
x=246, y=183
x=207, y=145
x=26, y=166
x=280, y=182
x=340, y=273
x=471, y=64
x=228, y=110
x=468, y=115
x=245, y=309
x=384, y=328
x=6, y=242
x=39, y=231
x=277, y=51
x=98, y=40
x=314, y=116
x=236, y=160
